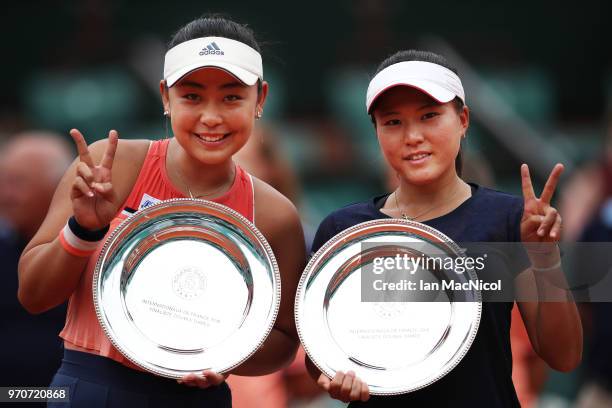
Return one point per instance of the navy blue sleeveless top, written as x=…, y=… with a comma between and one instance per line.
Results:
x=484, y=376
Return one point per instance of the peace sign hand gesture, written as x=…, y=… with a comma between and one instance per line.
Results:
x=541, y=223
x=94, y=201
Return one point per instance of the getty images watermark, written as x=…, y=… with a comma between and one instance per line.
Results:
x=410, y=265
x=483, y=271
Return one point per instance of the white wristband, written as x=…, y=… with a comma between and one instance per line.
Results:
x=548, y=268
x=74, y=245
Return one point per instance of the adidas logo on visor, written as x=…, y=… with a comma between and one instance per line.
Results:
x=212, y=49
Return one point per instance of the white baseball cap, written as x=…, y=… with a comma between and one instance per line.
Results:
x=233, y=56
x=437, y=81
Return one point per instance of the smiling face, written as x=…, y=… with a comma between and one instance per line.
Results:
x=419, y=137
x=212, y=113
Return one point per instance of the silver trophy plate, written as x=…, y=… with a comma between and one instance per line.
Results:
x=186, y=285
x=394, y=346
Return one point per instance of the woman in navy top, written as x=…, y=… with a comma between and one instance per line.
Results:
x=417, y=105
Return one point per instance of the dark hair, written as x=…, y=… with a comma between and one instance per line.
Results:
x=216, y=25
x=425, y=56
x=415, y=55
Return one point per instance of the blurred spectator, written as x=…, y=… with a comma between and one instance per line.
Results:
x=31, y=165
x=596, y=391
x=263, y=158
x=586, y=190
x=586, y=205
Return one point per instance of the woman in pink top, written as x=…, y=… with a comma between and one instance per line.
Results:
x=212, y=99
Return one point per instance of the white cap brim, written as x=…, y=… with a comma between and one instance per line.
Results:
x=438, y=82
x=241, y=74
x=438, y=93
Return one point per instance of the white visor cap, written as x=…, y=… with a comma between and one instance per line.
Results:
x=439, y=82
x=235, y=57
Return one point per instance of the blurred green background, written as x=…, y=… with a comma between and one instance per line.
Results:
x=96, y=64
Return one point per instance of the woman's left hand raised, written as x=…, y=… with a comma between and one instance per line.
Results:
x=541, y=222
